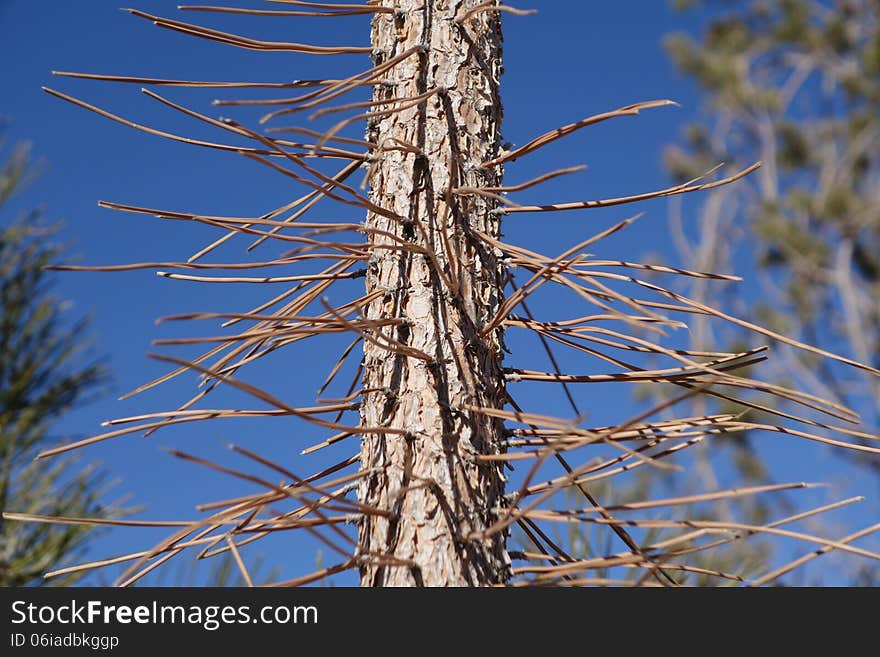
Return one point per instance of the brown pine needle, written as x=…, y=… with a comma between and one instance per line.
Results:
x=340, y=361
x=102, y=522
x=229, y=413
x=310, y=479
x=696, y=499
x=604, y=203
x=764, y=331
x=153, y=131
x=196, y=265
x=306, y=486
x=559, y=133
x=380, y=339
x=128, y=581
x=189, y=83
x=271, y=400
x=691, y=536
x=372, y=5
x=353, y=10
x=782, y=570
x=236, y=555
x=311, y=199
x=244, y=42
x=343, y=140
x=705, y=524
x=112, y=434
x=318, y=574
x=809, y=436
x=535, y=181
x=414, y=101
x=284, y=491
x=552, y=266
x=277, y=279
x=367, y=205
x=490, y=5
x=228, y=125
x=315, y=98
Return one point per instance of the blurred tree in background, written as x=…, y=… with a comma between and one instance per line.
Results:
x=796, y=84
x=44, y=372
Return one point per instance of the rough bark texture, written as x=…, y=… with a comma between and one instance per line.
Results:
x=429, y=482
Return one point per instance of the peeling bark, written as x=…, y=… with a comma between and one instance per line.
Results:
x=434, y=491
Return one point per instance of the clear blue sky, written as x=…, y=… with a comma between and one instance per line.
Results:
x=571, y=60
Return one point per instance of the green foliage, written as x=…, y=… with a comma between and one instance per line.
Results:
x=43, y=374
x=794, y=148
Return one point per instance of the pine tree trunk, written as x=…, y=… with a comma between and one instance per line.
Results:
x=429, y=484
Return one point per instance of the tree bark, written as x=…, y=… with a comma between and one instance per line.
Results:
x=431, y=489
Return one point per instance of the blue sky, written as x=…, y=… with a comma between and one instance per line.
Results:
x=571, y=60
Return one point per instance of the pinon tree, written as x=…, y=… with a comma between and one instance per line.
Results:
x=420, y=278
